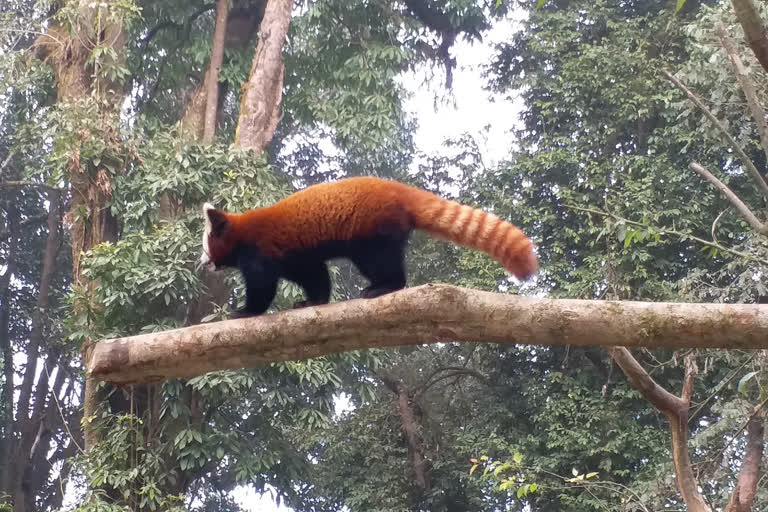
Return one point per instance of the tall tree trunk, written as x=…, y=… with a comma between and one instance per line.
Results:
x=77, y=80
x=8, y=441
x=217, y=57
x=240, y=27
x=262, y=94
x=25, y=426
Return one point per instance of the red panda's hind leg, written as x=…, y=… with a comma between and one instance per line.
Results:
x=382, y=261
x=313, y=277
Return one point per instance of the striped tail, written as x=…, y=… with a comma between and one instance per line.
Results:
x=477, y=229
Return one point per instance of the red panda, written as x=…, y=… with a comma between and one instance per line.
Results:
x=367, y=220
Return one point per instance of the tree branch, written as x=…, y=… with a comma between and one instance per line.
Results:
x=758, y=114
x=411, y=428
x=743, y=495
x=754, y=31
x=658, y=397
x=425, y=314
x=742, y=208
x=676, y=411
x=31, y=184
x=753, y=172
x=662, y=231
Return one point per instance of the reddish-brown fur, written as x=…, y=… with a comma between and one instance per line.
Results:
x=357, y=208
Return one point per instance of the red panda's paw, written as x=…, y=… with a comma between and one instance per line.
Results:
x=241, y=313
x=305, y=304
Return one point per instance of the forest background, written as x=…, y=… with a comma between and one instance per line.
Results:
x=119, y=118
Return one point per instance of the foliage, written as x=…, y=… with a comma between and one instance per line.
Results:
x=596, y=175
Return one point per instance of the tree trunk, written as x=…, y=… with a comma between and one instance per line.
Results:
x=262, y=94
x=411, y=427
x=77, y=80
x=27, y=424
x=217, y=57
x=241, y=27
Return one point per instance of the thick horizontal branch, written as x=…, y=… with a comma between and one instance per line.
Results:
x=425, y=314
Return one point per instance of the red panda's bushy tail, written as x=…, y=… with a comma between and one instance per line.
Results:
x=474, y=228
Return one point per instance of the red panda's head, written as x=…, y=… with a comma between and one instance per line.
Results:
x=218, y=239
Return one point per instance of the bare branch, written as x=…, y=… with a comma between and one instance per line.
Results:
x=753, y=172
x=758, y=114
x=754, y=31
x=742, y=208
x=668, y=231
x=658, y=397
x=716, y=223
x=31, y=184
x=676, y=411
x=425, y=314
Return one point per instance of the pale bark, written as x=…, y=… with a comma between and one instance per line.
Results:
x=217, y=57
x=241, y=26
x=425, y=314
x=263, y=92
x=754, y=32
x=743, y=496
x=411, y=428
x=745, y=82
x=732, y=198
x=750, y=166
x=676, y=410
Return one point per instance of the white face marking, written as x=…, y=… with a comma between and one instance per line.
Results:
x=205, y=259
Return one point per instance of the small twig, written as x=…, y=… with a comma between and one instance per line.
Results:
x=63, y=419
x=717, y=221
x=5, y=162
x=716, y=245
x=758, y=114
x=754, y=173
x=742, y=208
x=29, y=184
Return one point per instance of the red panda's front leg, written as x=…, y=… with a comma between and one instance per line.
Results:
x=260, y=276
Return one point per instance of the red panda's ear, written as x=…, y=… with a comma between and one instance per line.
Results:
x=216, y=220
